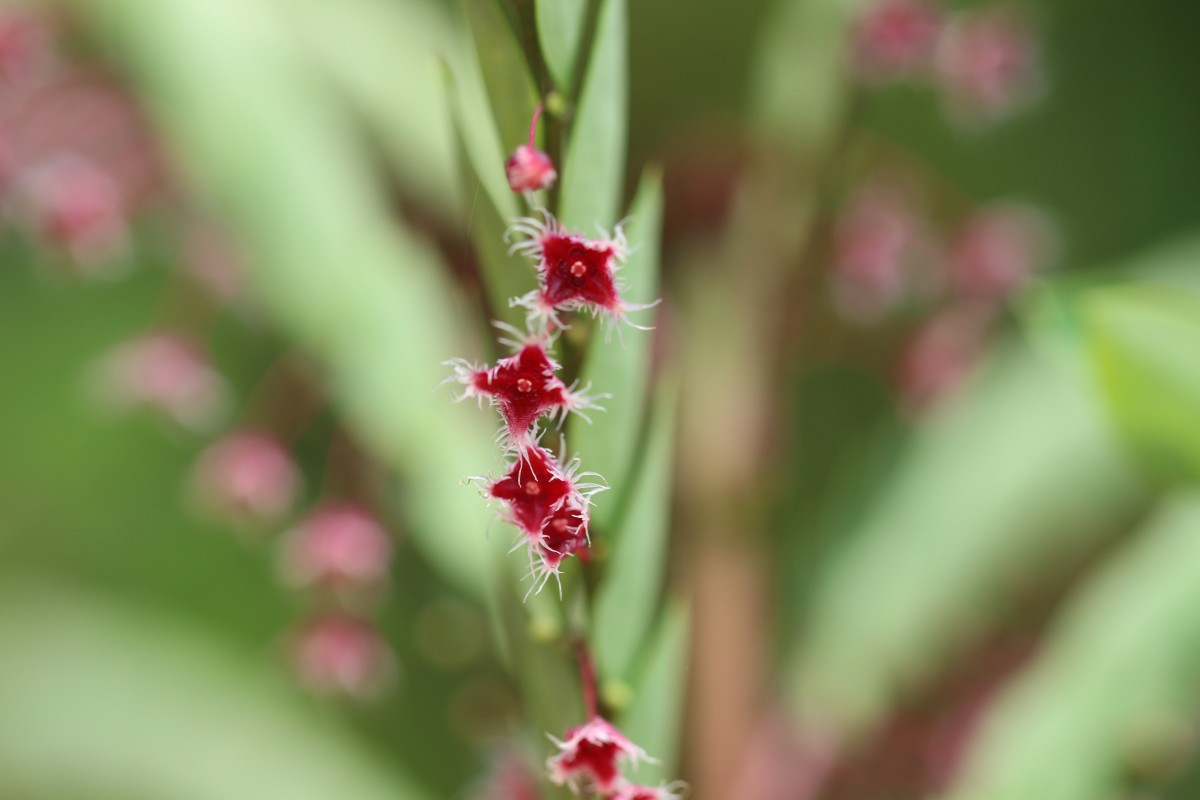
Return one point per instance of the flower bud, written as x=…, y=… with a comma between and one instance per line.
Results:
x=529, y=169
x=75, y=206
x=997, y=251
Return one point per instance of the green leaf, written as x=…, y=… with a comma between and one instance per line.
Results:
x=594, y=166
x=1145, y=341
x=368, y=301
x=99, y=699
x=621, y=367
x=510, y=87
x=504, y=277
x=1116, y=682
x=364, y=45
x=560, y=30
x=801, y=87
x=655, y=712
x=627, y=601
x=1016, y=474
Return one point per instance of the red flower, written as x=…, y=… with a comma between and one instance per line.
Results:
x=575, y=272
x=590, y=753
x=166, y=372
x=523, y=387
x=548, y=505
x=997, y=251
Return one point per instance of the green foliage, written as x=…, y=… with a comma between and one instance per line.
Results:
x=627, y=602
x=1115, y=686
x=505, y=72
x=1145, y=340
x=593, y=168
x=560, y=26
x=100, y=699
x=942, y=545
x=619, y=364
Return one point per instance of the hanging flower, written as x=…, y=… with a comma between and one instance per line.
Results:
x=987, y=65
x=591, y=754
x=528, y=168
x=339, y=654
x=894, y=39
x=248, y=476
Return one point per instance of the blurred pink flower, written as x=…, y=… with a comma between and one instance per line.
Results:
x=167, y=372
x=987, y=64
x=630, y=791
x=941, y=354
x=74, y=205
x=894, y=39
x=337, y=547
x=339, y=654
x=880, y=248
x=247, y=476
x=997, y=250
x=508, y=778
x=26, y=46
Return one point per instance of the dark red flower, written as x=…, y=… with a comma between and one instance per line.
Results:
x=533, y=488
x=590, y=754
x=523, y=387
x=575, y=272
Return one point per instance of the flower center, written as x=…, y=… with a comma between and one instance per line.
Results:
x=524, y=385
x=579, y=269
x=532, y=489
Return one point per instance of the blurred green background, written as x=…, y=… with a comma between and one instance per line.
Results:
x=1050, y=502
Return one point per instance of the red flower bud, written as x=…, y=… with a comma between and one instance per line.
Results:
x=529, y=169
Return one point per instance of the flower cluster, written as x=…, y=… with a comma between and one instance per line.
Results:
x=541, y=494
x=983, y=62
x=889, y=256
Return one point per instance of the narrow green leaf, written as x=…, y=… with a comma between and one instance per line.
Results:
x=801, y=87
x=595, y=158
x=655, y=716
x=560, y=29
x=627, y=601
x=1016, y=473
x=332, y=269
x=384, y=56
x=100, y=699
x=620, y=366
x=510, y=87
x=1116, y=682
x=503, y=276
x=1145, y=340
